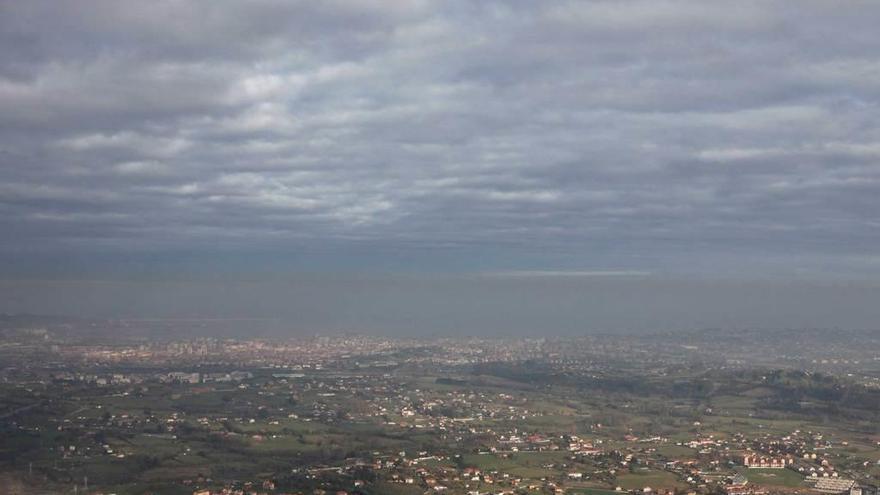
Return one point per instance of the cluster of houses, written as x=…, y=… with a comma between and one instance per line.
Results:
x=766, y=462
x=715, y=464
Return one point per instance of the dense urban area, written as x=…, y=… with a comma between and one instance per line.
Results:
x=94, y=407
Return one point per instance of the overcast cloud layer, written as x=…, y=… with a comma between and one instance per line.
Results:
x=512, y=138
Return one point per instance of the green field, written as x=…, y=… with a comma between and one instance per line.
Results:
x=525, y=464
x=773, y=477
x=653, y=479
x=591, y=491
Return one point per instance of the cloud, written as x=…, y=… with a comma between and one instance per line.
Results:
x=602, y=134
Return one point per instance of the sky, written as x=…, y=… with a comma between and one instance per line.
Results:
x=447, y=152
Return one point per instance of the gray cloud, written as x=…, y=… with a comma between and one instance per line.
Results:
x=603, y=136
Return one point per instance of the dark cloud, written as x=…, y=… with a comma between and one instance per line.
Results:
x=677, y=136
